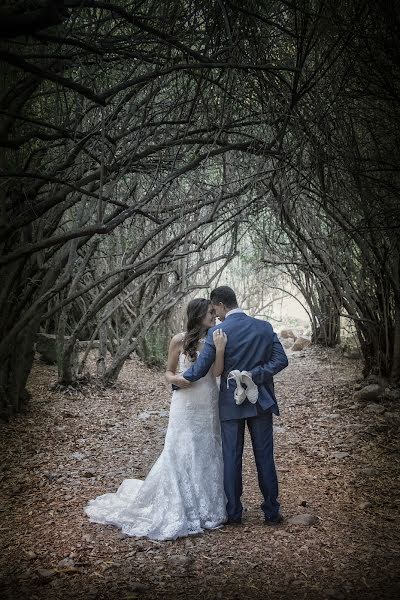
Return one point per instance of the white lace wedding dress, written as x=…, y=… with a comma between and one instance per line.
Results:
x=183, y=493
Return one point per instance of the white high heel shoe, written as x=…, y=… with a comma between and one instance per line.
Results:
x=240, y=393
x=251, y=388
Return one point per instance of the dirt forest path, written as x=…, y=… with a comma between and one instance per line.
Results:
x=338, y=460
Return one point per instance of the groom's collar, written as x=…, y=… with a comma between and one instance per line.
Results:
x=234, y=311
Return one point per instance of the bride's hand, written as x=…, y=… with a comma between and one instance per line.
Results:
x=220, y=339
x=181, y=382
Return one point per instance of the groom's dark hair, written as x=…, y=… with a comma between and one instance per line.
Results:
x=224, y=294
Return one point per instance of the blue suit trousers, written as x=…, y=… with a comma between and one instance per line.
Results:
x=261, y=433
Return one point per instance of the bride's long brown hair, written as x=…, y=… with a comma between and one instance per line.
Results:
x=196, y=311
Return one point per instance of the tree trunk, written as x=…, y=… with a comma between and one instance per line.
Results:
x=68, y=363
x=14, y=372
x=102, y=356
x=395, y=367
x=327, y=331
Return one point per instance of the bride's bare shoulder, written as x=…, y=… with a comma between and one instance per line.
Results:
x=177, y=339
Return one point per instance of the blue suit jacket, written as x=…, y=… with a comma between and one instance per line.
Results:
x=252, y=346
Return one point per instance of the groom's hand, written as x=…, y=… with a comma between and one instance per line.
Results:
x=181, y=382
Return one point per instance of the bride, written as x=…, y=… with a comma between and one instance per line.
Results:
x=183, y=493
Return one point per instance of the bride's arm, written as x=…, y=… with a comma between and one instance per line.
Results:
x=220, y=340
x=174, y=350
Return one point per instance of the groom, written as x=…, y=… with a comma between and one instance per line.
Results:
x=252, y=346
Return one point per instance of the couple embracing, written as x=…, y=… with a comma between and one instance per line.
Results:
x=196, y=483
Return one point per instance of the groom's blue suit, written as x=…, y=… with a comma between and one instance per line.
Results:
x=252, y=346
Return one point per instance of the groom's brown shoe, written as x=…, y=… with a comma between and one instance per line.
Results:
x=271, y=522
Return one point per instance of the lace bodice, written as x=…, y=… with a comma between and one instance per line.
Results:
x=184, y=361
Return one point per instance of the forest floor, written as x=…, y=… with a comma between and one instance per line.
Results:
x=337, y=460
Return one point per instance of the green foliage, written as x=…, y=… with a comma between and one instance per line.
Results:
x=154, y=348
